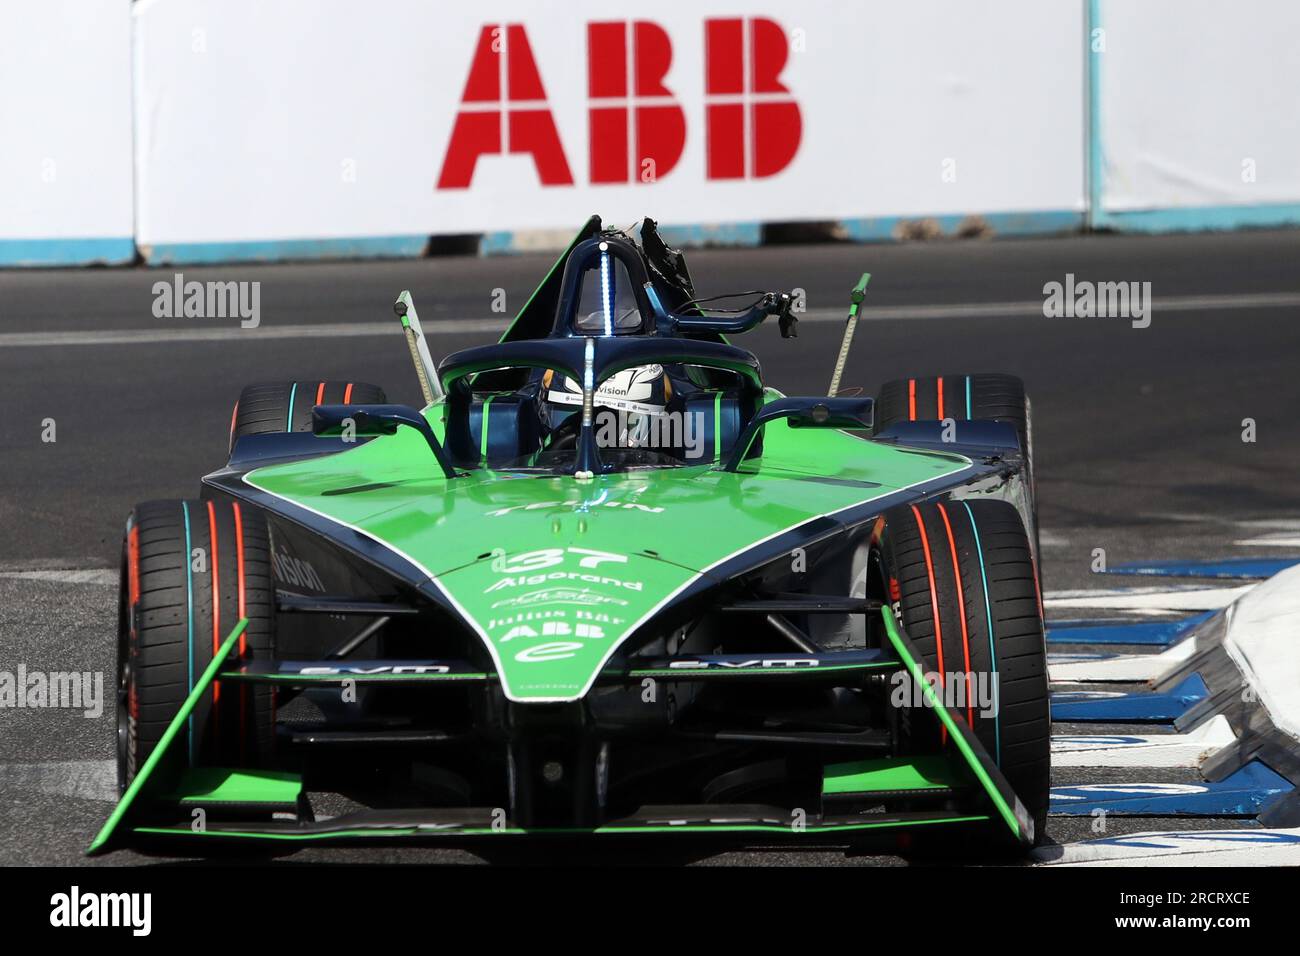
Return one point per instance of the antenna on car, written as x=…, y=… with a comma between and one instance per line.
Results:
x=425, y=371
x=855, y=299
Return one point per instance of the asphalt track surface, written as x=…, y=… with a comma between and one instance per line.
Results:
x=1138, y=432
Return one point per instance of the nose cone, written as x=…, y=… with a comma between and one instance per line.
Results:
x=552, y=618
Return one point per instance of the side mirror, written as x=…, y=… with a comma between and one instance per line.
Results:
x=803, y=413
x=830, y=413
x=371, y=420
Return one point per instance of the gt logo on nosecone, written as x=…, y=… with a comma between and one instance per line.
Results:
x=549, y=557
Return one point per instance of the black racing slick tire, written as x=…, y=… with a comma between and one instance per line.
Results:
x=984, y=397
x=286, y=406
x=987, y=396
x=190, y=570
x=962, y=580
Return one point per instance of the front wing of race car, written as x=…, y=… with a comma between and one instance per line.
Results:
x=875, y=802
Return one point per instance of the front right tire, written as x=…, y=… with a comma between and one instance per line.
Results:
x=961, y=579
x=286, y=406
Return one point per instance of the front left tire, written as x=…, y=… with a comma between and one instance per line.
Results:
x=189, y=571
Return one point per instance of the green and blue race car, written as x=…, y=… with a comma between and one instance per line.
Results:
x=606, y=581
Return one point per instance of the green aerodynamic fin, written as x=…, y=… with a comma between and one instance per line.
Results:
x=220, y=786
x=1004, y=799
x=890, y=775
x=169, y=735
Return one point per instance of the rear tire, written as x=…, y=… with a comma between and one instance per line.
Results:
x=988, y=396
x=286, y=406
x=190, y=570
x=962, y=580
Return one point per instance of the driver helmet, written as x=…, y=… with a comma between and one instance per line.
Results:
x=627, y=399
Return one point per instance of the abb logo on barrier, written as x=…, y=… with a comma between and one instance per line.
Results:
x=636, y=129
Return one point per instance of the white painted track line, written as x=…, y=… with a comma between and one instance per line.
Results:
x=461, y=326
x=1244, y=847
x=1141, y=750
x=1086, y=669
x=1152, y=600
x=76, y=576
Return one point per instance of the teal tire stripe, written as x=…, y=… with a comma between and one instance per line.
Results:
x=189, y=620
x=988, y=615
x=288, y=419
x=968, y=414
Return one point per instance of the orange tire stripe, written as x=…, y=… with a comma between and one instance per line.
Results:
x=911, y=399
x=934, y=604
x=961, y=604
x=934, y=596
x=939, y=380
x=347, y=394
x=133, y=566
x=320, y=393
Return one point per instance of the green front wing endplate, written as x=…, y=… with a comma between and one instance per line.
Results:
x=990, y=777
x=173, y=729
x=268, y=788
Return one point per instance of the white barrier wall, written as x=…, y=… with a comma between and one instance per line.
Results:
x=65, y=109
x=329, y=125
x=1198, y=112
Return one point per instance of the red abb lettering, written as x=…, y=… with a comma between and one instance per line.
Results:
x=521, y=118
x=753, y=124
x=636, y=126
x=619, y=85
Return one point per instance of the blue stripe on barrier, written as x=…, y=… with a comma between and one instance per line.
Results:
x=274, y=250
x=1244, y=794
x=1109, y=707
x=1252, y=568
x=877, y=229
x=1199, y=218
x=724, y=234
x=1029, y=223
x=66, y=252
x=1159, y=633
